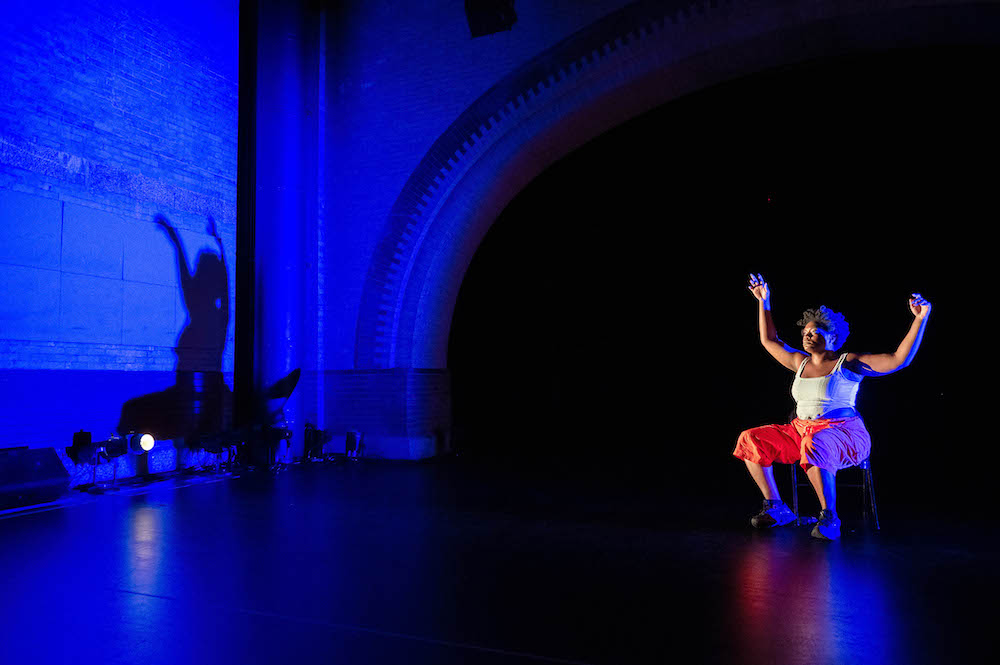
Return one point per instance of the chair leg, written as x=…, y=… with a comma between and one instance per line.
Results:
x=795, y=494
x=869, y=490
x=865, y=504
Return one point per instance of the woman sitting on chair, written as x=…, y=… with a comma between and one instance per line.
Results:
x=827, y=433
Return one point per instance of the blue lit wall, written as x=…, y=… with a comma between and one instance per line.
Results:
x=113, y=112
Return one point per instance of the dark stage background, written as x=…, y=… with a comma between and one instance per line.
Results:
x=604, y=328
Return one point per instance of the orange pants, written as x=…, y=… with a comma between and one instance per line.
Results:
x=829, y=444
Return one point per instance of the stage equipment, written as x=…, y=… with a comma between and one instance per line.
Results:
x=257, y=440
x=114, y=446
x=355, y=445
x=314, y=440
x=489, y=16
x=29, y=476
x=86, y=451
x=141, y=443
x=272, y=428
x=82, y=449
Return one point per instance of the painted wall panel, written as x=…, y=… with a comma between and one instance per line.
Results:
x=92, y=242
x=29, y=230
x=91, y=309
x=148, y=315
x=29, y=304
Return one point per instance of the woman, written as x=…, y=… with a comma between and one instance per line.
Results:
x=827, y=433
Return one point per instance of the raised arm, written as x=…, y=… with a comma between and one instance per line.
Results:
x=880, y=364
x=780, y=351
x=183, y=272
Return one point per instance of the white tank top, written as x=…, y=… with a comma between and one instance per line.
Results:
x=823, y=394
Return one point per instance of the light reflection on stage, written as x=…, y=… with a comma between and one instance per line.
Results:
x=799, y=601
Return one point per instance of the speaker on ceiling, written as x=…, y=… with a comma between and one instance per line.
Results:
x=489, y=16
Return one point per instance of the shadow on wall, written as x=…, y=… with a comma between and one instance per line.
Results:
x=199, y=402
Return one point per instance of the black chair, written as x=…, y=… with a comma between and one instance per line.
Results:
x=867, y=493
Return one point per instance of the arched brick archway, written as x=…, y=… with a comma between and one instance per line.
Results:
x=619, y=67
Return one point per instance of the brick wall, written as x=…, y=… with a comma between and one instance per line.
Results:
x=403, y=413
x=111, y=112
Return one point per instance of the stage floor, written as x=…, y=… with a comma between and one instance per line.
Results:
x=460, y=562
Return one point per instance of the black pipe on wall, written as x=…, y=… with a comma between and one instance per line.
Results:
x=246, y=204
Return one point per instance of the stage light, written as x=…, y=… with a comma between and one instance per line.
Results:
x=489, y=16
x=314, y=440
x=85, y=450
x=116, y=446
x=141, y=443
x=355, y=445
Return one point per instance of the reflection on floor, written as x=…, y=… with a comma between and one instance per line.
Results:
x=460, y=562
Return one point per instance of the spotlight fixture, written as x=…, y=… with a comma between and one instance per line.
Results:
x=489, y=16
x=141, y=443
x=85, y=450
x=115, y=446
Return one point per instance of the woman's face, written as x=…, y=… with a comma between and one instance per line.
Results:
x=815, y=339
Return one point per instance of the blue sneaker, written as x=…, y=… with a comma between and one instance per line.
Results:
x=828, y=526
x=774, y=513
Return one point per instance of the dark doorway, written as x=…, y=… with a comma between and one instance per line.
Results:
x=605, y=322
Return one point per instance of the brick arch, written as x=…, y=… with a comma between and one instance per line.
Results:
x=627, y=63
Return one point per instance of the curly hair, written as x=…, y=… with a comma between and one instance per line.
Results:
x=830, y=321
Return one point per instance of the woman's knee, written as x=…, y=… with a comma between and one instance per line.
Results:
x=747, y=440
x=752, y=435
x=751, y=447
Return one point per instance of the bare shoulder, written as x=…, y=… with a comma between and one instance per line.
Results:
x=795, y=359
